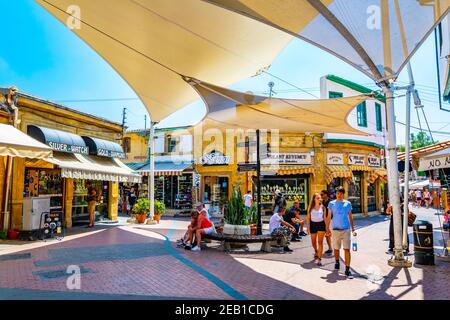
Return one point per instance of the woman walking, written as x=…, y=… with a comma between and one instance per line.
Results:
x=427, y=197
x=315, y=220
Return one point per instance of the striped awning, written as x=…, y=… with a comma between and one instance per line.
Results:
x=360, y=168
x=337, y=171
x=284, y=170
x=167, y=168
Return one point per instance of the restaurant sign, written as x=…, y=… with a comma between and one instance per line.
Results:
x=435, y=163
x=58, y=146
x=335, y=158
x=287, y=158
x=357, y=159
x=214, y=159
x=374, y=161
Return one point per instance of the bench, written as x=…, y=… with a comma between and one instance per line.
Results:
x=227, y=239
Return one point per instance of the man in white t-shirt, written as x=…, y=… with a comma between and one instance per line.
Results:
x=279, y=227
x=248, y=199
x=202, y=210
x=419, y=197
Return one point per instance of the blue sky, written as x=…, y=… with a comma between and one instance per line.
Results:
x=42, y=57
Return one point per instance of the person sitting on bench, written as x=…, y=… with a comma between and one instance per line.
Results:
x=204, y=226
x=183, y=242
x=279, y=227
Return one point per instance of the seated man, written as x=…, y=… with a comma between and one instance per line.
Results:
x=204, y=226
x=191, y=228
x=292, y=217
x=277, y=227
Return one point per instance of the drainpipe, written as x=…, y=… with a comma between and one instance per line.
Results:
x=11, y=101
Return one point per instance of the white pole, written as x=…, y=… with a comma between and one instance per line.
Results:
x=151, y=176
x=394, y=192
x=407, y=151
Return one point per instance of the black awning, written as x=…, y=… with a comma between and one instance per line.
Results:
x=104, y=148
x=58, y=140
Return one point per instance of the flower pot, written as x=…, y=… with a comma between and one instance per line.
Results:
x=157, y=217
x=253, y=229
x=237, y=230
x=3, y=235
x=141, y=218
x=13, y=234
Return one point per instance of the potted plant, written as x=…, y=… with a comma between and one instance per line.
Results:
x=160, y=208
x=3, y=234
x=140, y=209
x=236, y=216
x=13, y=234
x=252, y=218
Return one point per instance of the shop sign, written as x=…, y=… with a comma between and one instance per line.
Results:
x=436, y=163
x=68, y=148
x=110, y=153
x=335, y=158
x=357, y=159
x=374, y=161
x=287, y=158
x=196, y=180
x=214, y=159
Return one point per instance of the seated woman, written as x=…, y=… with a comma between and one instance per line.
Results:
x=204, y=227
x=184, y=242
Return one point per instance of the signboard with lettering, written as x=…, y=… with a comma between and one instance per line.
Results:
x=435, y=163
x=110, y=153
x=373, y=161
x=57, y=146
x=214, y=159
x=244, y=167
x=287, y=158
x=356, y=159
x=335, y=158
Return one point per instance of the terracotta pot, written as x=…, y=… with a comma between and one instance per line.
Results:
x=253, y=229
x=141, y=218
x=13, y=234
x=157, y=217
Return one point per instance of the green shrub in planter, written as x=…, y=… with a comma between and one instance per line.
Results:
x=160, y=207
x=235, y=212
x=142, y=206
x=3, y=234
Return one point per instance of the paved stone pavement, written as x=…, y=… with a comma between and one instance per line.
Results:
x=143, y=262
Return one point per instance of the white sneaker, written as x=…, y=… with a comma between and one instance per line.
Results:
x=196, y=249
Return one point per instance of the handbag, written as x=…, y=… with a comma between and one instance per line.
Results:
x=411, y=218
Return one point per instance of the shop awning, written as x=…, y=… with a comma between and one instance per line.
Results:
x=104, y=148
x=233, y=109
x=151, y=43
x=437, y=160
x=337, y=171
x=79, y=166
x=58, y=140
x=15, y=143
x=283, y=170
x=375, y=174
x=360, y=168
x=167, y=168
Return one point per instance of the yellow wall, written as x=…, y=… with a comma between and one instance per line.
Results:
x=139, y=147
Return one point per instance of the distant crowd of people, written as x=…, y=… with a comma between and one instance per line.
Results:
x=423, y=197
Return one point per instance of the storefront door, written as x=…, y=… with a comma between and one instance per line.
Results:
x=354, y=192
x=371, y=197
x=215, y=193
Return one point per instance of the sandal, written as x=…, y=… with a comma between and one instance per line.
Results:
x=319, y=262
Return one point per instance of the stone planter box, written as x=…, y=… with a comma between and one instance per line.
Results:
x=237, y=230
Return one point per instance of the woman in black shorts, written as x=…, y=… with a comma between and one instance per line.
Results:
x=315, y=221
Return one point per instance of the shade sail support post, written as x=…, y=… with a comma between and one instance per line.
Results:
x=258, y=183
x=394, y=189
x=151, y=175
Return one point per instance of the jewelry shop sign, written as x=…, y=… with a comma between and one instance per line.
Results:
x=374, y=161
x=335, y=158
x=214, y=159
x=356, y=159
x=287, y=158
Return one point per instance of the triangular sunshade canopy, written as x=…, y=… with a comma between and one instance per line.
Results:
x=232, y=109
x=378, y=37
x=151, y=43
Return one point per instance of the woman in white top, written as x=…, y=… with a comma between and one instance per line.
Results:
x=315, y=221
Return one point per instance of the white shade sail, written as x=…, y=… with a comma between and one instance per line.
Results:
x=378, y=37
x=233, y=109
x=151, y=43
x=15, y=143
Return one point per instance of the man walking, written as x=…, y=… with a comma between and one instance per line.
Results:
x=91, y=199
x=339, y=221
x=326, y=201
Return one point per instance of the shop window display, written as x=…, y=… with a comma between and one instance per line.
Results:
x=80, y=204
x=292, y=188
x=354, y=192
x=215, y=193
x=45, y=183
x=331, y=187
x=371, y=197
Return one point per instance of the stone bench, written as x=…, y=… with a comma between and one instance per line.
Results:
x=227, y=240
